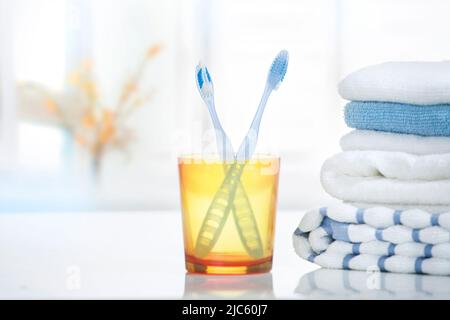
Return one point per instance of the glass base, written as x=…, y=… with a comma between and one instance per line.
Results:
x=214, y=267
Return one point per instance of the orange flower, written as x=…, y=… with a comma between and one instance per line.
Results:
x=108, y=116
x=51, y=106
x=90, y=89
x=107, y=134
x=74, y=78
x=154, y=51
x=80, y=139
x=108, y=129
x=88, y=120
x=130, y=87
x=99, y=126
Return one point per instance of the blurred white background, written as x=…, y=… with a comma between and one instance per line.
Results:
x=43, y=168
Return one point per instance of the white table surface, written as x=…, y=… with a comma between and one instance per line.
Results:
x=139, y=255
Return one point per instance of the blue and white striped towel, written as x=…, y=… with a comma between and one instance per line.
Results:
x=346, y=237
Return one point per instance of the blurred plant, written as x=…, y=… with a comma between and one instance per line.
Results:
x=97, y=127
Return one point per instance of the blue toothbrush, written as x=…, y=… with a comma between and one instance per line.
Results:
x=205, y=86
x=276, y=76
x=223, y=200
x=241, y=208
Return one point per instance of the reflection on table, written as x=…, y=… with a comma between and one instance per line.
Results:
x=228, y=287
x=344, y=284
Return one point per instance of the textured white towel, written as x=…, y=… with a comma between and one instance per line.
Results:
x=423, y=83
x=429, y=208
x=343, y=236
x=388, y=177
x=366, y=140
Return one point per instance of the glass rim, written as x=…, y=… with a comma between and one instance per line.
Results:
x=215, y=157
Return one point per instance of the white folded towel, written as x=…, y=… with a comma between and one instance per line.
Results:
x=365, y=140
x=423, y=83
x=346, y=237
x=388, y=177
x=402, y=207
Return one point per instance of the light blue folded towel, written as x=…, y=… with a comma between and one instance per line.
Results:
x=399, y=118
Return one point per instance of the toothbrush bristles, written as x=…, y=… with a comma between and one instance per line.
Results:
x=279, y=68
x=200, y=80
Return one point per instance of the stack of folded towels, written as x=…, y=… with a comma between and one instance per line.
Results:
x=393, y=175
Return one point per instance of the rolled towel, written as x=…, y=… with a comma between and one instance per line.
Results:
x=422, y=83
x=365, y=140
x=399, y=118
x=388, y=177
x=346, y=237
x=340, y=284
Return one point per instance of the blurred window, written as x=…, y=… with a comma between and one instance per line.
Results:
x=44, y=41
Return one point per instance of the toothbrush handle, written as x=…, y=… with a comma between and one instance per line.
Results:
x=217, y=214
x=241, y=208
x=225, y=198
x=248, y=145
x=223, y=142
x=218, y=211
x=245, y=220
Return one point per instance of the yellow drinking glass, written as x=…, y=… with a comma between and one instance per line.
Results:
x=245, y=235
